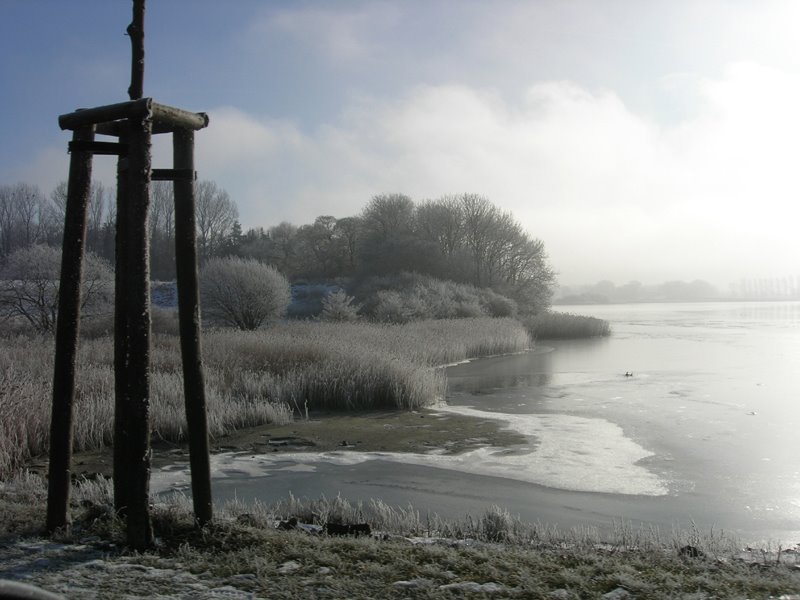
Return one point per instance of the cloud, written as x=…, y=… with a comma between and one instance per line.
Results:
x=342, y=34
x=50, y=166
x=611, y=192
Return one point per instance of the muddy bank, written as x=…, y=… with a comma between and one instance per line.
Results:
x=385, y=431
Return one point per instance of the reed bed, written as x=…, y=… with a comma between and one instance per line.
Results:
x=252, y=378
x=551, y=325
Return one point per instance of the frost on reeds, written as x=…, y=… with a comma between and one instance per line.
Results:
x=551, y=325
x=495, y=525
x=252, y=378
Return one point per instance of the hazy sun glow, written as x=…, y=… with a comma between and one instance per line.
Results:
x=638, y=140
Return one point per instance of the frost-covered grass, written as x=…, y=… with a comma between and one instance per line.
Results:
x=550, y=325
x=242, y=555
x=252, y=378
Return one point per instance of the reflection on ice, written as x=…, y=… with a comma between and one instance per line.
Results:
x=571, y=453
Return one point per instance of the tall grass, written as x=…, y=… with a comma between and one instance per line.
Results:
x=551, y=325
x=410, y=554
x=252, y=378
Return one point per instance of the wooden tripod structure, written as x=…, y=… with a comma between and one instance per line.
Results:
x=133, y=123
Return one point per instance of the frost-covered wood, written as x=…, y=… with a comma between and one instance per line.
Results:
x=66, y=350
x=136, y=415
x=189, y=319
x=110, y=118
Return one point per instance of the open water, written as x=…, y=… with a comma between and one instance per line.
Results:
x=704, y=431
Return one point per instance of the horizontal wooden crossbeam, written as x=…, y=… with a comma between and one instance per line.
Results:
x=84, y=117
x=107, y=148
x=165, y=118
x=177, y=118
x=173, y=175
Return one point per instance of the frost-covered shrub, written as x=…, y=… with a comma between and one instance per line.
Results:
x=389, y=307
x=497, y=305
x=496, y=525
x=338, y=306
x=469, y=308
x=410, y=296
x=243, y=293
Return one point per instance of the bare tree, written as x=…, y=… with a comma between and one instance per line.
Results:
x=101, y=212
x=321, y=250
x=22, y=216
x=388, y=216
x=349, y=230
x=389, y=244
x=30, y=282
x=216, y=214
x=162, y=230
x=283, y=246
x=99, y=202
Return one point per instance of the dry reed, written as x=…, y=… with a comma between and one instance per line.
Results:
x=252, y=378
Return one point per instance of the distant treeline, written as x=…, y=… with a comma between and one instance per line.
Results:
x=606, y=292
x=28, y=217
x=465, y=239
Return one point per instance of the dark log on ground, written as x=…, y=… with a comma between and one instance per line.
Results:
x=355, y=529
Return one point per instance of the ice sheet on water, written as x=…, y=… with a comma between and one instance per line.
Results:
x=570, y=452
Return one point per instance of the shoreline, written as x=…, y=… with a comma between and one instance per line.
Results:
x=426, y=430
x=429, y=488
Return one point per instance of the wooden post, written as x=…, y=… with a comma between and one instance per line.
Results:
x=136, y=33
x=189, y=317
x=121, y=349
x=137, y=386
x=67, y=327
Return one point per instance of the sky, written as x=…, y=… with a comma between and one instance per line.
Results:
x=646, y=141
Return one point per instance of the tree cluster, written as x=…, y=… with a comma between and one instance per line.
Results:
x=216, y=219
x=28, y=217
x=463, y=238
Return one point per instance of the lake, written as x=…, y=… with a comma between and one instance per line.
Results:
x=704, y=431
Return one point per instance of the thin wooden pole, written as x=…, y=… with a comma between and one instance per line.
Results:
x=136, y=33
x=189, y=318
x=67, y=327
x=121, y=349
x=137, y=396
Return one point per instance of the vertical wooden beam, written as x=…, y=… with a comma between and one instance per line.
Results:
x=136, y=32
x=137, y=413
x=67, y=327
x=189, y=318
x=121, y=350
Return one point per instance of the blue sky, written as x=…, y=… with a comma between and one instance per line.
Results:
x=639, y=140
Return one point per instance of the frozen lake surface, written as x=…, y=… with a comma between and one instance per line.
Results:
x=705, y=430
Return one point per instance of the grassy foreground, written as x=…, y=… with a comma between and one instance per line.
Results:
x=252, y=378
x=243, y=555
